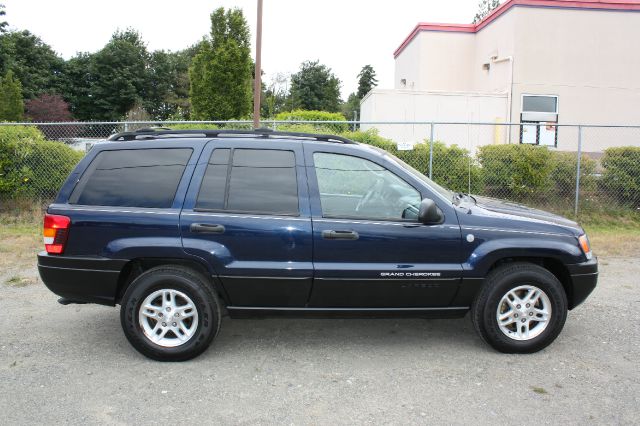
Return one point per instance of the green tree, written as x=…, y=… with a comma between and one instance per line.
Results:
x=315, y=87
x=366, y=81
x=107, y=84
x=120, y=75
x=11, y=103
x=484, y=8
x=221, y=71
x=78, y=91
x=33, y=62
x=351, y=106
x=3, y=23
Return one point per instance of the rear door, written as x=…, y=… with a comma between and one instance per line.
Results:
x=247, y=214
x=369, y=249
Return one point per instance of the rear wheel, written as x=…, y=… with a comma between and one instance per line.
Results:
x=170, y=313
x=521, y=308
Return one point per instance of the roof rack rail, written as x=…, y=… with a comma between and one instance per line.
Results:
x=155, y=133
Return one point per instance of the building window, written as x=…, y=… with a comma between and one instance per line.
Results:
x=540, y=103
x=539, y=118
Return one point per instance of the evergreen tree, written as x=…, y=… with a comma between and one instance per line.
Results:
x=315, y=87
x=366, y=81
x=33, y=62
x=221, y=71
x=11, y=102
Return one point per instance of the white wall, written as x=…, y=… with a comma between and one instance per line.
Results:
x=412, y=105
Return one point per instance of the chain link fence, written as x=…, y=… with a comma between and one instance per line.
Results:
x=567, y=169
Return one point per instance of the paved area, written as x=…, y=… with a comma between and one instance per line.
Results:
x=73, y=365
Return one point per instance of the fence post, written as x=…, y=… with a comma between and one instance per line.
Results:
x=575, y=212
x=355, y=118
x=431, y=152
x=126, y=126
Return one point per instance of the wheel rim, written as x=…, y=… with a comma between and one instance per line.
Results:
x=524, y=312
x=168, y=318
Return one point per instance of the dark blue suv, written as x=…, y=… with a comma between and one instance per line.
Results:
x=180, y=226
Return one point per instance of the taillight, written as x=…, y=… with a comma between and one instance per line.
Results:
x=56, y=229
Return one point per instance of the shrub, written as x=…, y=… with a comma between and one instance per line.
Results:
x=563, y=174
x=621, y=178
x=32, y=166
x=302, y=115
x=453, y=166
x=371, y=137
x=517, y=172
x=50, y=164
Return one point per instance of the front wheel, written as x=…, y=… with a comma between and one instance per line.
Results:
x=170, y=313
x=521, y=308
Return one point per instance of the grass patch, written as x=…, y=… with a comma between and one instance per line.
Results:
x=20, y=237
x=541, y=391
x=613, y=232
x=18, y=281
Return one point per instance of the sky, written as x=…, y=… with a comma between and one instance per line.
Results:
x=343, y=34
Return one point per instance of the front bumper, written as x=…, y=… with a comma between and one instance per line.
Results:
x=82, y=279
x=584, y=277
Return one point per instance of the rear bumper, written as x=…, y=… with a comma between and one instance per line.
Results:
x=83, y=279
x=584, y=277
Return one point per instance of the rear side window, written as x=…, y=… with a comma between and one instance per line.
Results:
x=132, y=178
x=250, y=180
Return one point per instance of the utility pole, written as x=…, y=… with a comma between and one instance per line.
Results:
x=257, y=87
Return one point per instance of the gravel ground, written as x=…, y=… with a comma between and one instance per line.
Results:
x=73, y=365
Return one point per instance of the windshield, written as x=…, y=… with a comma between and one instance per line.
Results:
x=444, y=192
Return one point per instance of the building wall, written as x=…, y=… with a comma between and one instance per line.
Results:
x=441, y=60
x=408, y=67
x=590, y=59
x=494, y=41
x=419, y=106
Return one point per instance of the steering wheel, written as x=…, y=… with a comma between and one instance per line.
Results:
x=367, y=197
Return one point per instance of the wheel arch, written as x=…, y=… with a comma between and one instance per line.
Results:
x=551, y=264
x=135, y=267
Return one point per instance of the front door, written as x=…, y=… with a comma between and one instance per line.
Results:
x=247, y=214
x=369, y=250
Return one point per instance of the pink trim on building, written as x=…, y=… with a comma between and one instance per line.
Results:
x=618, y=5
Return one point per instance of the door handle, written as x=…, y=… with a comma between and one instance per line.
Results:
x=340, y=235
x=206, y=228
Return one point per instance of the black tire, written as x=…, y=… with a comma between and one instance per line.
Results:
x=498, y=283
x=182, y=279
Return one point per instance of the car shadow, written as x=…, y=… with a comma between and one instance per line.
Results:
x=311, y=334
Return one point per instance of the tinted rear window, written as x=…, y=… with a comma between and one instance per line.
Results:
x=259, y=181
x=132, y=178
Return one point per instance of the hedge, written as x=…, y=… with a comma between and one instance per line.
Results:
x=32, y=166
x=621, y=177
x=517, y=172
x=303, y=115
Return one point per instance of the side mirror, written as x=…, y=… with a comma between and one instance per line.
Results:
x=429, y=213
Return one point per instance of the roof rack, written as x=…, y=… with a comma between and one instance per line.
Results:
x=265, y=133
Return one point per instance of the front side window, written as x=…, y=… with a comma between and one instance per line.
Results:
x=132, y=178
x=250, y=180
x=352, y=187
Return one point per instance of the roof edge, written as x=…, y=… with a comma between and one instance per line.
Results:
x=618, y=5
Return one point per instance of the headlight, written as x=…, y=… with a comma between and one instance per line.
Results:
x=585, y=246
